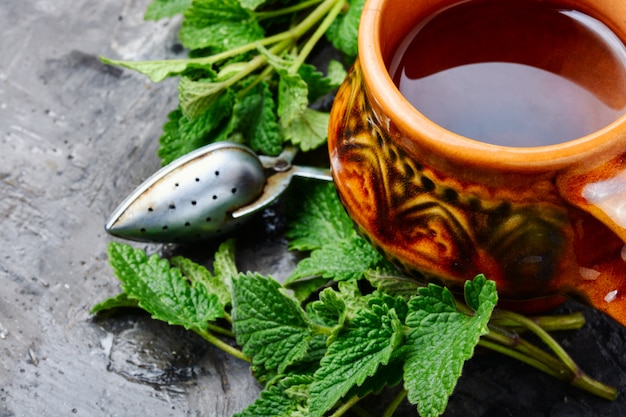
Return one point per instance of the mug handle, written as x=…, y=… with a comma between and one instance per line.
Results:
x=600, y=190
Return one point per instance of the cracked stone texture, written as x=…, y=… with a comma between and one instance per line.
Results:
x=76, y=137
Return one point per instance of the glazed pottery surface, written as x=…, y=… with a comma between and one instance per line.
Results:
x=545, y=223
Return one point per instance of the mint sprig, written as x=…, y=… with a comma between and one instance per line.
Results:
x=441, y=340
x=235, y=46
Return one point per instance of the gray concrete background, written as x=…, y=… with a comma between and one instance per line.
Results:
x=78, y=136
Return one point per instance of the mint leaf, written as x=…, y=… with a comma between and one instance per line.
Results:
x=317, y=84
x=321, y=225
x=251, y=4
x=160, y=9
x=336, y=73
x=118, y=301
x=319, y=218
x=386, y=278
x=270, y=325
x=199, y=97
x=309, y=131
x=224, y=269
x=224, y=266
x=369, y=341
x=342, y=260
x=157, y=71
x=285, y=399
x=255, y=118
x=344, y=30
x=161, y=290
x=292, y=97
x=220, y=25
x=182, y=135
x=441, y=340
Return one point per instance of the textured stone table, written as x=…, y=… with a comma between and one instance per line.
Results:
x=76, y=137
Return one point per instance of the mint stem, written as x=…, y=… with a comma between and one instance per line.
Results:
x=217, y=342
x=395, y=403
x=345, y=407
x=220, y=330
x=561, y=366
x=286, y=10
x=317, y=35
x=573, y=321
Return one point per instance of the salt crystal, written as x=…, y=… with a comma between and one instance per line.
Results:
x=589, y=274
x=610, y=296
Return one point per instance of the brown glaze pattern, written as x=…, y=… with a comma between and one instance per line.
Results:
x=428, y=224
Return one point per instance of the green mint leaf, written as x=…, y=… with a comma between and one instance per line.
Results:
x=388, y=375
x=157, y=71
x=218, y=283
x=269, y=324
x=318, y=217
x=344, y=30
x=303, y=288
x=335, y=72
x=386, y=279
x=341, y=261
x=369, y=341
x=162, y=290
x=285, y=399
x=292, y=97
x=220, y=25
x=251, y=4
x=182, y=135
x=224, y=267
x=309, y=131
x=255, y=118
x=318, y=85
x=119, y=301
x=199, y=97
x=440, y=341
x=160, y=9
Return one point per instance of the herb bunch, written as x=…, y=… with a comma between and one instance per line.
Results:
x=247, y=78
x=345, y=325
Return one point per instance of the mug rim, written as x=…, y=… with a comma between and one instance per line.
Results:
x=452, y=145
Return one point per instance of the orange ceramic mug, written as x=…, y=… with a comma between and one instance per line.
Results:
x=545, y=223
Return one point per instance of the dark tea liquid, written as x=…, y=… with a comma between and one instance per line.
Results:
x=513, y=72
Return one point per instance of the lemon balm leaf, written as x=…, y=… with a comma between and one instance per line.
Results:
x=270, y=326
x=319, y=218
x=287, y=398
x=162, y=290
x=343, y=32
x=308, y=131
x=341, y=261
x=368, y=343
x=441, y=339
x=160, y=9
x=118, y=301
x=220, y=25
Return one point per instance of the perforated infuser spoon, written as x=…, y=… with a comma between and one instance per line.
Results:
x=206, y=193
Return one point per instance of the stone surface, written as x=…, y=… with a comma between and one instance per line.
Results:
x=76, y=137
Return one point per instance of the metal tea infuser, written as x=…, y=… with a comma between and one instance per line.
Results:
x=206, y=193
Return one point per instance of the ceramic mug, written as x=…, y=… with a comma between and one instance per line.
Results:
x=545, y=223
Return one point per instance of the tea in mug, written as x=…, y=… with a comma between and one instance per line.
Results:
x=514, y=73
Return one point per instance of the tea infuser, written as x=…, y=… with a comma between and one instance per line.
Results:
x=206, y=193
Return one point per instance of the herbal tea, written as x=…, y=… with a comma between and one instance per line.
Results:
x=514, y=73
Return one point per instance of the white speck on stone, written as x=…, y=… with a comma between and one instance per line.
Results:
x=589, y=274
x=610, y=296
